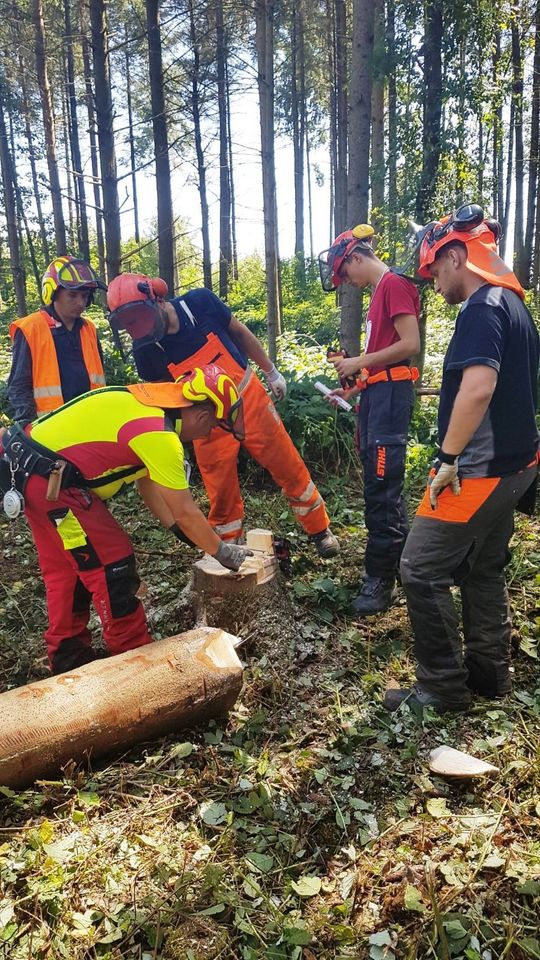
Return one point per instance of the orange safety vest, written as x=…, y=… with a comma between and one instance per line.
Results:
x=45, y=370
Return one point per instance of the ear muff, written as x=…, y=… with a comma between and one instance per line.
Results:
x=495, y=228
x=467, y=217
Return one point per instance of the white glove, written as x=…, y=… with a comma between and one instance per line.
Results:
x=231, y=555
x=446, y=476
x=276, y=382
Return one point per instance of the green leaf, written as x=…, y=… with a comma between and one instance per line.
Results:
x=307, y=886
x=530, y=946
x=213, y=813
x=88, y=799
x=531, y=888
x=413, y=899
x=436, y=806
x=454, y=929
x=261, y=862
x=182, y=750
x=297, y=936
x=251, y=888
x=210, y=911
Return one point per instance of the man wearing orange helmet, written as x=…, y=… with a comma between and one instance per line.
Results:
x=60, y=470
x=56, y=350
x=384, y=382
x=169, y=338
x=486, y=466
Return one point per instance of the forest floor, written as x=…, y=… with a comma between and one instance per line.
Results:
x=305, y=826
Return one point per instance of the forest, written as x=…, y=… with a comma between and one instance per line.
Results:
x=149, y=135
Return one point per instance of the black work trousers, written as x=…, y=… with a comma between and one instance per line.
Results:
x=463, y=542
x=383, y=425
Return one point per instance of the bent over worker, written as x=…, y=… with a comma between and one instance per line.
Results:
x=384, y=383
x=486, y=466
x=56, y=350
x=170, y=337
x=73, y=459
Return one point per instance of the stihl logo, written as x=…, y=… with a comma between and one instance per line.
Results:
x=381, y=461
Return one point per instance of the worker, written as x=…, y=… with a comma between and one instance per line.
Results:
x=69, y=461
x=170, y=336
x=486, y=466
x=56, y=350
x=384, y=386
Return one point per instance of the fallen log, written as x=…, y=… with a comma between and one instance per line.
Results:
x=116, y=702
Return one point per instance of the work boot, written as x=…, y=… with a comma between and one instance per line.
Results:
x=326, y=544
x=415, y=697
x=376, y=596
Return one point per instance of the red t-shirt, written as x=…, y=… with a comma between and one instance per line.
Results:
x=394, y=295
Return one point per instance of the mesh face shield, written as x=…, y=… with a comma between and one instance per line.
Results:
x=235, y=422
x=141, y=319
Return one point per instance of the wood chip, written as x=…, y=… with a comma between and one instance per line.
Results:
x=448, y=762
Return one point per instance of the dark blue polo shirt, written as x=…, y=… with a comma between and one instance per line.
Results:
x=495, y=329
x=210, y=315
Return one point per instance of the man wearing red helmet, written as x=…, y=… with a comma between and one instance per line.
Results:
x=384, y=381
x=169, y=338
x=67, y=463
x=56, y=350
x=486, y=466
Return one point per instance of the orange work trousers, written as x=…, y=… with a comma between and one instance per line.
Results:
x=269, y=444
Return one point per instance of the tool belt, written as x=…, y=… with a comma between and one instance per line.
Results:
x=22, y=457
x=390, y=374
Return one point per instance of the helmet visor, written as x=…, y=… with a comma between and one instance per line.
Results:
x=77, y=274
x=326, y=270
x=141, y=319
x=234, y=422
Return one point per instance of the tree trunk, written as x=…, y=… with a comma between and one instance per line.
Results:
x=231, y=176
x=377, y=120
x=132, y=157
x=70, y=189
x=22, y=219
x=534, y=167
x=497, y=153
x=359, y=154
x=104, y=117
x=431, y=145
x=298, y=96
x=264, y=34
x=85, y=46
x=6, y=163
x=332, y=120
x=342, y=116
x=508, y=184
x=201, y=167
x=80, y=188
x=48, y=127
x=224, y=181
x=161, y=147
x=32, y=158
x=520, y=260
x=310, y=202
x=392, y=128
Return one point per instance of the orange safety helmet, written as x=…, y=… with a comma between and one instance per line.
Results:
x=479, y=234
x=331, y=260
x=133, y=300
x=208, y=382
x=68, y=273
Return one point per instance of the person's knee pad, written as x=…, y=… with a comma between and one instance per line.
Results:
x=122, y=584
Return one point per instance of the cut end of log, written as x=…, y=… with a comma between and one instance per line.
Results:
x=211, y=579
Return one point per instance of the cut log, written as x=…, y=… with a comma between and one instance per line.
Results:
x=116, y=702
x=448, y=762
x=260, y=540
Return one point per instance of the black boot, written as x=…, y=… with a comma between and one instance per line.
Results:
x=376, y=596
x=326, y=544
x=415, y=697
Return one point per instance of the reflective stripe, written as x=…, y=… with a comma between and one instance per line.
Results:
x=235, y=525
x=47, y=392
x=303, y=511
x=97, y=378
x=308, y=492
x=71, y=531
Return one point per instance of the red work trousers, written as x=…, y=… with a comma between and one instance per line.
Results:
x=270, y=445
x=85, y=557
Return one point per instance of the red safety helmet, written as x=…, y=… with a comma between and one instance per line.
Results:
x=208, y=382
x=479, y=234
x=68, y=273
x=133, y=300
x=331, y=260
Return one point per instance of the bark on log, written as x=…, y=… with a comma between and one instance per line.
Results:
x=116, y=702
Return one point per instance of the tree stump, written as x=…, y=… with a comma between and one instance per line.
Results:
x=251, y=603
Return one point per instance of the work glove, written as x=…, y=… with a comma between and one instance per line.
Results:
x=231, y=555
x=276, y=382
x=446, y=475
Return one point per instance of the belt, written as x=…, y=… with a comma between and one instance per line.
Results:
x=390, y=374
